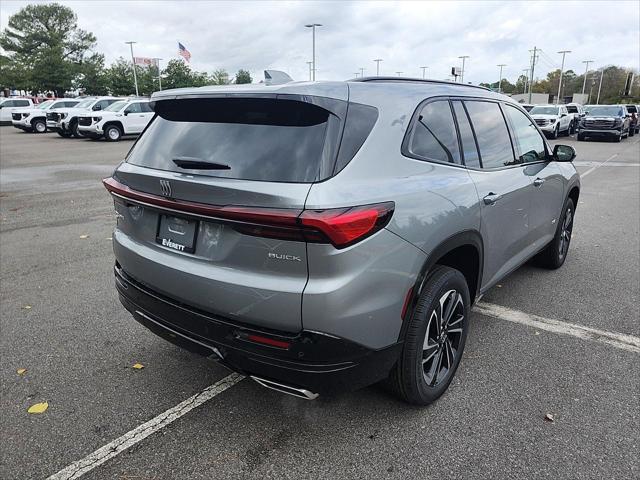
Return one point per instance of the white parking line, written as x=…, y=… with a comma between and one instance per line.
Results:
x=119, y=445
x=598, y=166
x=629, y=343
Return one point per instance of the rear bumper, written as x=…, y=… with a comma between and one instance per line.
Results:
x=314, y=361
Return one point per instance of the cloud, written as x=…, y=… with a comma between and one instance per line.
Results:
x=407, y=35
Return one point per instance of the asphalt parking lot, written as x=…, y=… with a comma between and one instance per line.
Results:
x=62, y=322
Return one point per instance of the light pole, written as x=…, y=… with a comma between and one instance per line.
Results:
x=463, y=57
x=424, y=71
x=378, y=60
x=159, y=72
x=586, y=71
x=135, y=77
x=526, y=80
x=309, y=63
x=362, y=71
x=600, y=87
x=563, y=52
x=501, y=65
x=356, y=74
x=313, y=26
x=399, y=73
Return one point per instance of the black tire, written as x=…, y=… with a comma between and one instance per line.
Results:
x=64, y=134
x=39, y=126
x=73, y=127
x=409, y=379
x=618, y=138
x=580, y=137
x=555, y=253
x=556, y=132
x=112, y=133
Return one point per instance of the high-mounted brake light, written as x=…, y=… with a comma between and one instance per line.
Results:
x=339, y=226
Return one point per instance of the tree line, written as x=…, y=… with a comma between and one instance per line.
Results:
x=46, y=51
x=613, y=84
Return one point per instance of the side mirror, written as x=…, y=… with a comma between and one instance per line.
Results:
x=563, y=115
x=126, y=113
x=564, y=153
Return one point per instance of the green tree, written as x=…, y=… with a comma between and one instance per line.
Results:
x=177, y=74
x=93, y=78
x=219, y=77
x=120, y=78
x=243, y=76
x=46, y=42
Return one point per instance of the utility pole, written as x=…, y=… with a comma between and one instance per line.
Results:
x=378, y=60
x=309, y=63
x=356, y=74
x=135, y=77
x=500, y=77
x=533, y=66
x=424, y=70
x=463, y=57
x=526, y=80
x=399, y=73
x=313, y=26
x=563, y=52
x=362, y=71
x=586, y=71
x=600, y=86
x=159, y=72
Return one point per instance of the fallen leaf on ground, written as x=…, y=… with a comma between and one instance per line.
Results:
x=21, y=371
x=537, y=333
x=499, y=286
x=84, y=236
x=38, y=408
x=27, y=307
x=138, y=366
x=549, y=417
x=109, y=238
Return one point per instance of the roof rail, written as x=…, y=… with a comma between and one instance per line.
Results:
x=412, y=80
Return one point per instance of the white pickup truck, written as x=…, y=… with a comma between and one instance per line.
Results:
x=34, y=119
x=552, y=119
x=126, y=117
x=64, y=121
x=8, y=105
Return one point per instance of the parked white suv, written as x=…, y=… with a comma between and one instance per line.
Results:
x=64, y=121
x=552, y=119
x=126, y=117
x=34, y=119
x=576, y=111
x=8, y=105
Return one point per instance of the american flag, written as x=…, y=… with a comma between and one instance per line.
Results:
x=183, y=52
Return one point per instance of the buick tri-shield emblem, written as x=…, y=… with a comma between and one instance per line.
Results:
x=166, y=188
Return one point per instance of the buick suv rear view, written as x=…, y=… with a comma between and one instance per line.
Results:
x=324, y=236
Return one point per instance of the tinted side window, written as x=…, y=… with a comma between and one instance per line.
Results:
x=21, y=103
x=492, y=134
x=133, y=108
x=528, y=142
x=469, y=148
x=434, y=134
x=9, y=103
x=145, y=108
x=360, y=121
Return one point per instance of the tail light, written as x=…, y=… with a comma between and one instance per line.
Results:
x=339, y=226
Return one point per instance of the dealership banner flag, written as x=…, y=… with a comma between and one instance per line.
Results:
x=145, y=61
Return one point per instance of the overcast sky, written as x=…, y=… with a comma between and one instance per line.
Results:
x=260, y=35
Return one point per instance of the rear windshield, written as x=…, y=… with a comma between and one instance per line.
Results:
x=572, y=109
x=250, y=139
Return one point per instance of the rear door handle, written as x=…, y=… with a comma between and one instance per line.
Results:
x=491, y=199
x=538, y=181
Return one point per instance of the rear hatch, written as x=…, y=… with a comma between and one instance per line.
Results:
x=208, y=199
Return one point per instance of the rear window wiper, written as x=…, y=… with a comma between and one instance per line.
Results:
x=192, y=163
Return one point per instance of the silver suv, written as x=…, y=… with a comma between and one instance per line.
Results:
x=326, y=236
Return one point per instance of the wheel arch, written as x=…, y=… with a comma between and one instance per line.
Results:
x=574, y=194
x=117, y=123
x=463, y=251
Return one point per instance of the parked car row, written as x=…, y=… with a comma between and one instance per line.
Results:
x=105, y=117
x=609, y=121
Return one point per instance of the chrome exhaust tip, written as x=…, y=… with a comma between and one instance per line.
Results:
x=289, y=390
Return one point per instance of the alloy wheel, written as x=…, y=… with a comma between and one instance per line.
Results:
x=565, y=234
x=443, y=336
